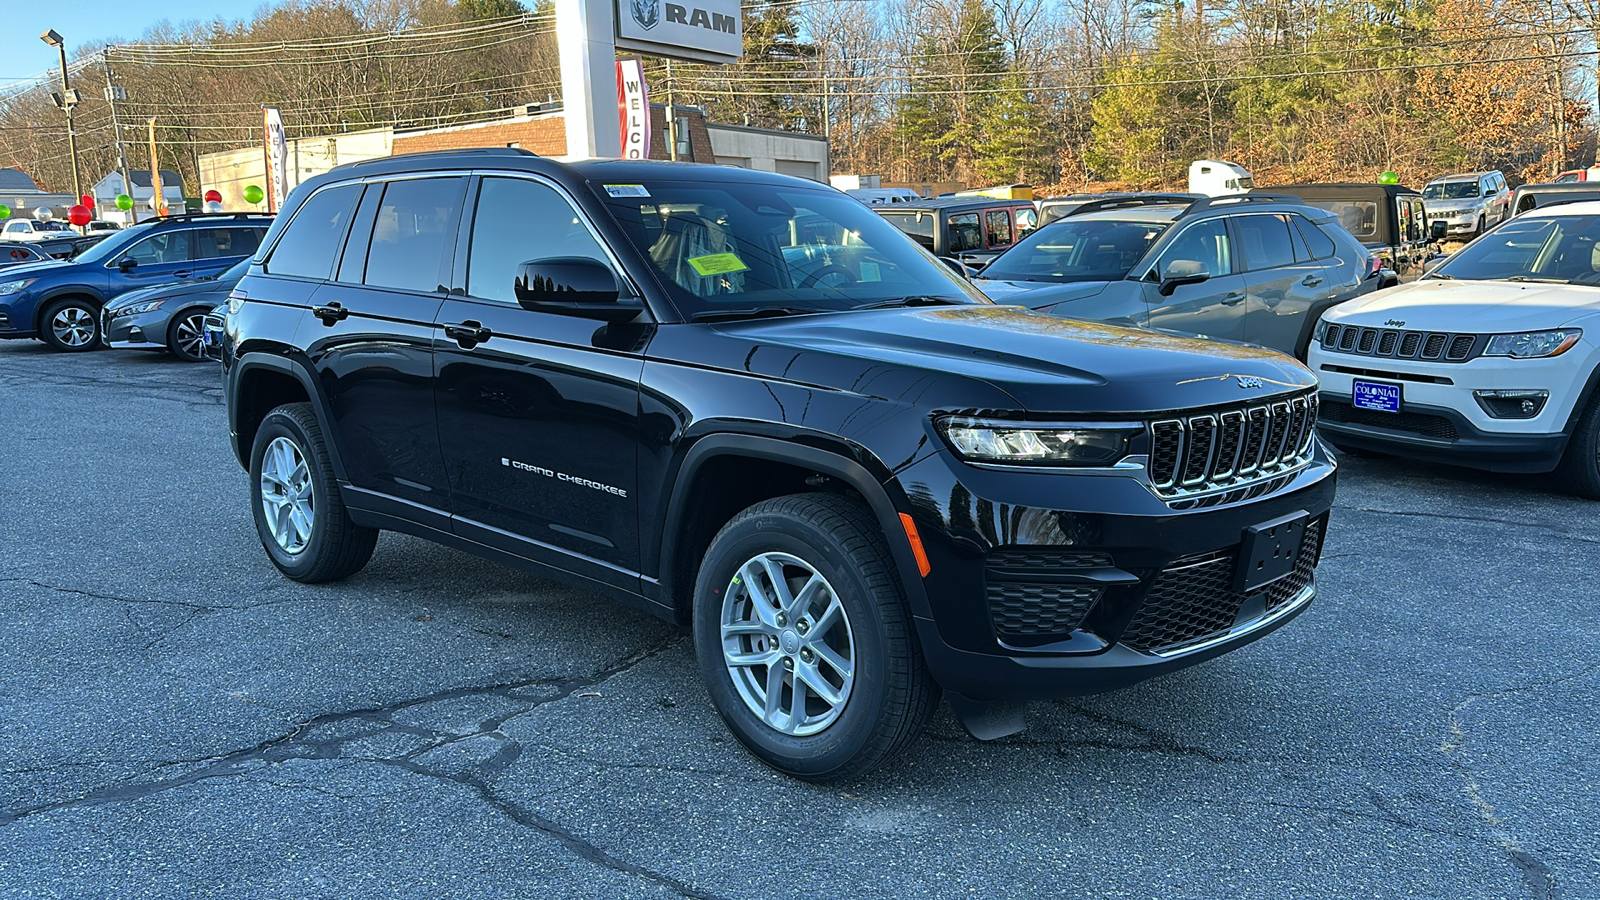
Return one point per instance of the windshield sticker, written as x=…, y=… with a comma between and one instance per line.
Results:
x=717, y=263
x=627, y=190
x=870, y=272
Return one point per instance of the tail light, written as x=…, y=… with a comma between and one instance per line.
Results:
x=1374, y=266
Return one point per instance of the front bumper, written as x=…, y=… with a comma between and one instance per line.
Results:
x=142, y=331
x=13, y=324
x=1012, y=551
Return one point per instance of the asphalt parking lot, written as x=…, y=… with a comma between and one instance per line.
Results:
x=177, y=719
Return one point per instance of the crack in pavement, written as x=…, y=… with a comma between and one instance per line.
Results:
x=297, y=744
x=1486, y=520
x=197, y=607
x=1537, y=879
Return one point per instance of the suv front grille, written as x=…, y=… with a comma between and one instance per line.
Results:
x=1431, y=346
x=1193, y=599
x=1025, y=600
x=1437, y=427
x=1230, y=448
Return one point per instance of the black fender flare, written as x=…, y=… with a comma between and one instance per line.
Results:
x=822, y=461
x=256, y=360
x=54, y=294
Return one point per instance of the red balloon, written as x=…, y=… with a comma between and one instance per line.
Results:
x=87, y=200
x=79, y=215
x=213, y=196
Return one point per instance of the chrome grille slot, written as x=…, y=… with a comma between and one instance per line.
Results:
x=1410, y=343
x=1369, y=339
x=1433, y=346
x=1460, y=346
x=1387, y=342
x=1347, y=340
x=1221, y=450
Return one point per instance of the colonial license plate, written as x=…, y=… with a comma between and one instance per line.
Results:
x=1375, y=395
x=1270, y=551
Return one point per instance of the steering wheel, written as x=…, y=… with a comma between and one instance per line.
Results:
x=828, y=271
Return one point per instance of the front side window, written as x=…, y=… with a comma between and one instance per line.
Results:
x=158, y=249
x=1071, y=250
x=414, y=228
x=1266, y=241
x=965, y=233
x=1205, y=243
x=727, y=246
x=1559, y=249
x=519, y=221
x=997, y=227
x=311, y=240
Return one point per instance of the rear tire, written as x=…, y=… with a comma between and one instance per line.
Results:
x=837, y=621
x=294, y=495
x=1579, y=471
x=71, y=325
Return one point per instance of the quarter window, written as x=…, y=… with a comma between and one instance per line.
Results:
x=414, y=229
x=998, y=230
x=311, y=240
x=519, y=221
x=1266, y=241
x=1317, y=240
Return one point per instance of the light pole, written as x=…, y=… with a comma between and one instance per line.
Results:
x=68, y=100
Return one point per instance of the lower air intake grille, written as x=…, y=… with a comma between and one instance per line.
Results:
x=1032, y=609
x=1437, y=427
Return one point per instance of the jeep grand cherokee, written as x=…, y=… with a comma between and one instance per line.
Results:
x=745, y=402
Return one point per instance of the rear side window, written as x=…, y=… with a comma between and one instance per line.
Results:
x=519, y=221
x=1316, y=239
x=1266, y=241
x=311, y=240
x=997, y=228
x=965, y=233
x=225, y=243
x=415, y=227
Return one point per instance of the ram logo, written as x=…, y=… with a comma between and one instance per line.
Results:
x=647, y=12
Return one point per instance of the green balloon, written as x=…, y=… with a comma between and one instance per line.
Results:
x=1389, y=178
x=5, y=211
x=253, y=194
x=124, y=202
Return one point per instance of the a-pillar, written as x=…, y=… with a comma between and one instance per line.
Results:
x=586, y=35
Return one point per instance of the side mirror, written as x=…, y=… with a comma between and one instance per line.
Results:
x=573, y=286
x=125, y=264
x=1438, y=229
x=957, y=266
x=1180, y=272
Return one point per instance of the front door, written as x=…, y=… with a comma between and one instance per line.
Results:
x=538, y=412
x=1283, y=281
x=158, y=259
x=1214, y=307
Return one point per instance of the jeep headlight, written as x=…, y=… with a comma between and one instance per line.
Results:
x=12, y=287
x=1040, y=444
x=1533, y=344
x=136, y=308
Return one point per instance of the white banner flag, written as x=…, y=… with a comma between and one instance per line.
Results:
x=633, y=109
x=277, y=149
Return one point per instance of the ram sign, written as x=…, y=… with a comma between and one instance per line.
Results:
x=701, y=30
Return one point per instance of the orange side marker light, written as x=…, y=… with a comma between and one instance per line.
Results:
x=916, y=544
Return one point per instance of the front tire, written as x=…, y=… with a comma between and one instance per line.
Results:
x=1579, y=471
x=186, y=335
x=804, y=640
x=300, y=517
x=71, y=325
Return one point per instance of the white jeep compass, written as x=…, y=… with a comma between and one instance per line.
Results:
x=1490, y=361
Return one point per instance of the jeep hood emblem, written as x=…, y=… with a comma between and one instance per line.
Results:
x=1248, y=381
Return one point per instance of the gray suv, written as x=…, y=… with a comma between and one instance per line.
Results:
x=1468, y=203
x=1248, y=267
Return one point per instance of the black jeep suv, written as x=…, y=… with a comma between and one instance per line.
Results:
x=747, y=403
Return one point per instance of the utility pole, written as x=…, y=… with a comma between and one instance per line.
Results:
x=69, y=101
x=672, y=118
x=115, y=92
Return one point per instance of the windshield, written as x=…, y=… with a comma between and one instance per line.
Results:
x=1069, y=250
x=1450, y=190
x=1558, y=249
x=727, y=247
x=113, y=244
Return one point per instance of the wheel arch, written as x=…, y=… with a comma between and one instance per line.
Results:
x=64, y=293
x=259, y=382
x=700, y=504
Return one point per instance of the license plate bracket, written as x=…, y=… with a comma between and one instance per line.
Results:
x=1375, y=395
x=1270, y=551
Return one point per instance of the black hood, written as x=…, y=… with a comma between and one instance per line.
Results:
x=1045, y=363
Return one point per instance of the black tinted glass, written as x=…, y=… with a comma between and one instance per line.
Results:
x=1320, y=244
x=1266, y=241
x=518, y=221
x=311, y=240
x=225, y=243
x=416, y=226
x=159, y=249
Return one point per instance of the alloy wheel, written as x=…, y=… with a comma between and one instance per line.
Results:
x=286, y=495
x=188, y=335
x=787, y=644
x=73, y=326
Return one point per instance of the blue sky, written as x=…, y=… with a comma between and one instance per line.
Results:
x=91, y=23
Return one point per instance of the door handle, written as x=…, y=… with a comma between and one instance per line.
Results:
x=1233, y=299
x=1311, y=281
x=184, y=273
x=331, y=313
x=468, y=334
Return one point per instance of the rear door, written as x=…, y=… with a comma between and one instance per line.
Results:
x=1214, y=307
x=218, y=248
x=538, y=412
x=1283, y=280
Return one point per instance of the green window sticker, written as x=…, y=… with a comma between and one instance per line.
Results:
x=717, y=263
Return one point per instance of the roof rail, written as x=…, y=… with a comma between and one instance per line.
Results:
x=1205, y=203
x=475, y=151
x=1131, y=201
x=206, y=215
